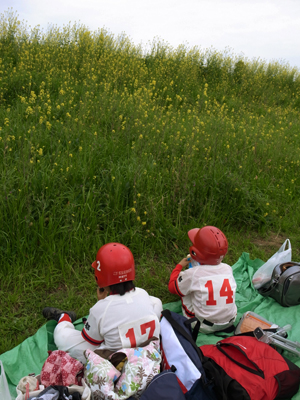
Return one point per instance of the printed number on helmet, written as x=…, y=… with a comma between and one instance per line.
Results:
x=98, y=266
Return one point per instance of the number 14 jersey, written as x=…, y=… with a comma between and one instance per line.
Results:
x=208, y=292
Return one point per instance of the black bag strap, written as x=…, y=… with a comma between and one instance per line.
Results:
x=225, y=333
x=175, y=325
x=256, y=370
x=196, y=328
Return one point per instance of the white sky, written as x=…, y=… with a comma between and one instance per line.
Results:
x=265, y=29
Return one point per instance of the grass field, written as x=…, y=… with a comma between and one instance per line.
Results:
x=102, y=140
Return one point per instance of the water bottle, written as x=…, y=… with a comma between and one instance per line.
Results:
x=192, y=262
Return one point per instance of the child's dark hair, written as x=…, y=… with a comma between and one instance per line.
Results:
x=122, y=288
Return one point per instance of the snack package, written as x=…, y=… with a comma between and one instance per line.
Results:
x=250, y=321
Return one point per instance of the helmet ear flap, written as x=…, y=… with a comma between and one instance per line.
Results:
x=94, y=265
x=195, y=254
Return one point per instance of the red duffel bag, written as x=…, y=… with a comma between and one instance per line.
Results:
x=244, y=368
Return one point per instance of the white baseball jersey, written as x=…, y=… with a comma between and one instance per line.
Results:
x=123, y=321
x=208, y=292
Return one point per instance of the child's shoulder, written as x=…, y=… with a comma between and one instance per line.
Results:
x=224, y=265
x=140, y=291
x=208, y=268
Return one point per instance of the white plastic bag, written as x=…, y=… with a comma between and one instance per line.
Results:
x=4, y=391
x=264, y=273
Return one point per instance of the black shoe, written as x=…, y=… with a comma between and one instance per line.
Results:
x=55, y=313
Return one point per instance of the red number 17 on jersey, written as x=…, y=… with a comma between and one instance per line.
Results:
x=133, y=334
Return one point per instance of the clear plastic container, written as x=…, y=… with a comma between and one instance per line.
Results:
x=192, y=263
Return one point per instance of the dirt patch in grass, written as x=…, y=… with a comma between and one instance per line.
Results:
x=269, y=243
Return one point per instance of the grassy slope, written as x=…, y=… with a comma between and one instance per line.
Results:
x=102, y=142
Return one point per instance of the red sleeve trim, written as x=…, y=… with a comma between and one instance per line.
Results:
x=173, y=284
x=187, y=311
x=177, y=289
x=89, y=339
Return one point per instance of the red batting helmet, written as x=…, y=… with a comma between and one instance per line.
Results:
x=114, y=264
x=209, y=245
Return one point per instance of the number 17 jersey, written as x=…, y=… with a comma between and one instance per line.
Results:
x=118, y=322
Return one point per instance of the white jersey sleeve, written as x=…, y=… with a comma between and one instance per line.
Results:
x=185, y=281
x=157, y=306
x=91, y=331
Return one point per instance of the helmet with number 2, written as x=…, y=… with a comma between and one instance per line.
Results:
x=114, y=264
x=209, y=245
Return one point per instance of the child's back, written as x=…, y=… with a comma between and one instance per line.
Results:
x=207, y=291
x=123, y=317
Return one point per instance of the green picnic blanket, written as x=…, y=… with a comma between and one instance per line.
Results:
x=29, y=356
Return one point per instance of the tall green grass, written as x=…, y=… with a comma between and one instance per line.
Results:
x=102, y=140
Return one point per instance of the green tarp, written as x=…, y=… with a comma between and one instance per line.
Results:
x=30, y=355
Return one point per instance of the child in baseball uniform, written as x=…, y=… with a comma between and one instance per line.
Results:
x=207, y=289
x=123, y=317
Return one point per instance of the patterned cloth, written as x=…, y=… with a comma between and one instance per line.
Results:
x=61, y=369
x=107, y=383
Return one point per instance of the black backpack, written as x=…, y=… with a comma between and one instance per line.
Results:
x=167, y=385
x=284, y=286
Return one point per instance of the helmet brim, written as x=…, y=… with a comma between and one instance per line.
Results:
x=192, y=233
x=94, y=264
